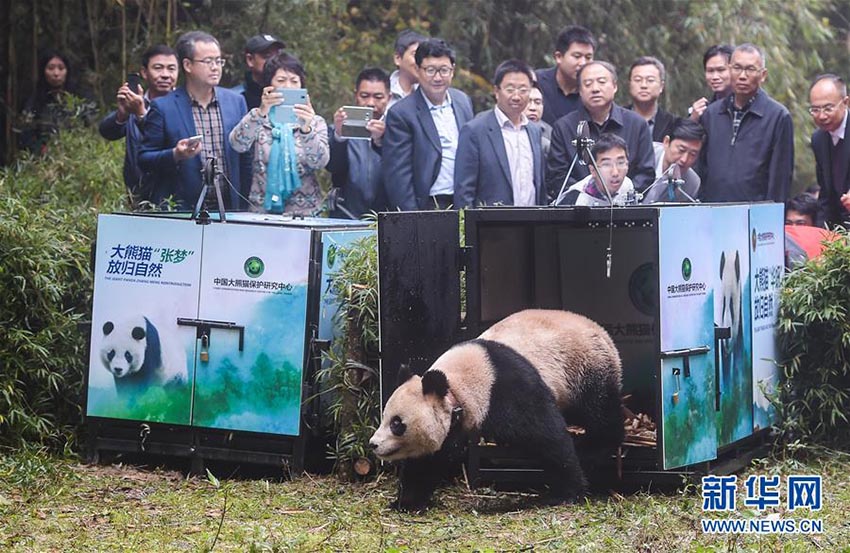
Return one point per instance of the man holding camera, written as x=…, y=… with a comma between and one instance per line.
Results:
x=355, y=163
x=159, y=73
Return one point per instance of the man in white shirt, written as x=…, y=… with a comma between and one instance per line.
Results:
x=499, y=154
x=420, y=141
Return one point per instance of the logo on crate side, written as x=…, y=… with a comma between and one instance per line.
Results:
x=254, y=267
x=687, y=268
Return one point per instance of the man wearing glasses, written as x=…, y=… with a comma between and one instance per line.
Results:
x=749, y=151
x=646, y=83
x=499, y=155
x=421, y=137
x=828, y=98
x=200, y=108
x=612, y=158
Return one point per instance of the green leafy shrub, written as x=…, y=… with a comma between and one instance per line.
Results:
x=49, y=206
x=815, y=338
x=350, y=382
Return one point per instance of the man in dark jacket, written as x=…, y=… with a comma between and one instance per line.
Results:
x=828, y=107
x=597, y=86
x=749, y=151
x=647, y=77
x=355, y=163
x=159, y=72
x=258, y=49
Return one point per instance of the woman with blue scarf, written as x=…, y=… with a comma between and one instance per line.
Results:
x=286, y=158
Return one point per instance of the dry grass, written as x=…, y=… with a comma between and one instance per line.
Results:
x=49, y=504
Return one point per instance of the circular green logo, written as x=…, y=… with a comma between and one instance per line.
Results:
x=686, y=269
x=254, y=267
x=755, y=239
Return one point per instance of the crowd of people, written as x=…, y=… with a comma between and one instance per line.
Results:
x=555, y=136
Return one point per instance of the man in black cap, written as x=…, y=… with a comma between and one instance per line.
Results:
x=258, y=49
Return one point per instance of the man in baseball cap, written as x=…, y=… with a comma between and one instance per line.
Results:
x=258, y=49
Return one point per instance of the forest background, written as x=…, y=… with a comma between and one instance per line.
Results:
x=336, y=38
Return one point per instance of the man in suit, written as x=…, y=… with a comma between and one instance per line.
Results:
x=646, y=83
x=159, y=71
x=355, y=164
x=499, y=155
x=420, y=141
x=597, y=86
x=199, y=107
x=828, y=107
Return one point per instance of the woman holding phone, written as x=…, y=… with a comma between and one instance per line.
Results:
x=287, y=153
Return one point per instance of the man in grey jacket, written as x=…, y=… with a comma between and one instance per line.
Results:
x=749, y=151
x=355, y=163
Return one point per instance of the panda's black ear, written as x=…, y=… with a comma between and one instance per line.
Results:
x=404, y=374
x=108, y=327
x=435, y=382
x=138, y=333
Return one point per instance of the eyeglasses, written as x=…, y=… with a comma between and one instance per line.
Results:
x=212, y=62
x=828, y=109
x=444, y=71
x=749, y=70
x=510, y=91
x=648, y=80
x=619, y=164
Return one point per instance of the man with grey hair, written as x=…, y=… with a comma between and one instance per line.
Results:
x=185, y=133
x=597, y=86
x=749, y=151
x=646, y=83
x=828, y=107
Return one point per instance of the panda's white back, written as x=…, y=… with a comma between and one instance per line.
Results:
x=564, y=346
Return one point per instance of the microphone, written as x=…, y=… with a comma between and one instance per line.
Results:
x=671, y=177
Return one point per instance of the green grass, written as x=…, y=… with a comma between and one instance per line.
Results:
x=52, y=504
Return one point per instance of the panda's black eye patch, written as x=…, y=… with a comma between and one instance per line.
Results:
x=397, y=427
x=128, y=356
x=138, y=333
x=111, y=355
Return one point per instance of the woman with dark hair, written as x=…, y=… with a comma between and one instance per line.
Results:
x=54, y=103
x=286, y=157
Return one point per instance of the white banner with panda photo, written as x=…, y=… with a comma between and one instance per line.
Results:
x=145, y=278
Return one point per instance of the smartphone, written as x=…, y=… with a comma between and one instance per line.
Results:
x=134, y=81
x=283, y=114
x=356, y=118
x=194, y=140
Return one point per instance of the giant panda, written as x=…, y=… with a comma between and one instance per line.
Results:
x=132, y=351
x=519, y=383
x=731, y=305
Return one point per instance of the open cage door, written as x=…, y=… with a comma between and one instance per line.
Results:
x=419, y=290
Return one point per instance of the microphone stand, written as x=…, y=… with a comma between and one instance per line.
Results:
x=672, y=182
x=210, y=173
